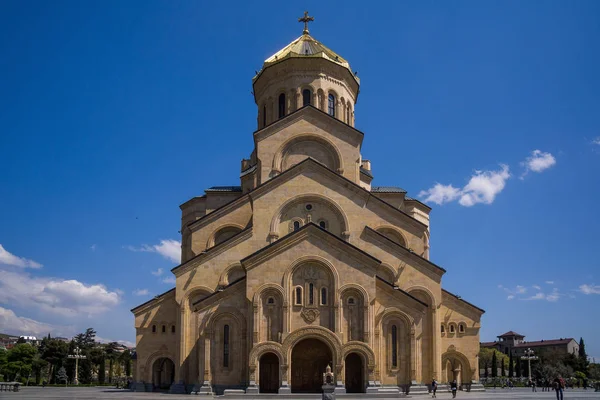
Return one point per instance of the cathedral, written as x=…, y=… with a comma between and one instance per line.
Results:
x=305, y=264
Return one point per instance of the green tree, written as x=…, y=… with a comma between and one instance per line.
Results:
x=55, y=353
x=125, y=360
x=502, y=370
x=86, y=340
x=111, y=355
x=519, y=368
x=582, y=353
x=21, y=340
x=37, y=365
x=510, y=366
x=494, y=365
x=102, y=371
x=3, y=364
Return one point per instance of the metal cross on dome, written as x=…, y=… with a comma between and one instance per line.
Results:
x=306, y=19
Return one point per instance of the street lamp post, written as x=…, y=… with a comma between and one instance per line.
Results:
x=529, y=356
x=77, y=355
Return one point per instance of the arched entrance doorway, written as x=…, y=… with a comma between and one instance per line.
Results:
x=163, y=373
x=310, y=358
x=354, y=374
x=268, y=379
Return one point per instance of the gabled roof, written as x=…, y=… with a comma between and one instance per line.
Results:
x=405, y=250
x=510, y=334
x=305, y=229
x=393, y=287
x=156, y=298
x=216, y=296
x=224, y=189
x=463, y=300
x=387, y=189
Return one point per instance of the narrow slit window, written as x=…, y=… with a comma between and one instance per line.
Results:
x=311, y=298
x=461, y=328
x=323, y=296
x=226, y=346
x=306, y=95
x=172, y=328
x=442, y=329
x=164, y=329
x=296, y=225
x=264, y=116
x=451, y=328
x=153, y=328
x=298, y=296
x=394, y=346
x=281, y=105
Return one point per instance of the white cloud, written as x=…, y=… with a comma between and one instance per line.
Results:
x=550, y=282
x=510, y=297
x=170, y=249
x=521, y=289
x=93, y=247
x=158, y=272
x=55, y=295
x=12, y=324
x=536, y=287
x=170, y=279
x=140, y=292
x=589, y=289
x=538, y=161
x=483, y=187
x=596, y=141
x=537, y=296
x=440, y=194
x=7, y=258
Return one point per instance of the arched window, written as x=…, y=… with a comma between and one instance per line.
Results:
x=153, y=328
x=461, y=328
x=442, y=328
x=172, y=328
x=296, y=225
x=323, y=224
x=323, y=296
x=306, y=95
x=282, y=105
x=226, y=346
x=331, y=104
x=164, y=329
x=394, y=346
x=298, y=296
x=351, y=300
x=264, y=116
x=311, y=296
x=451, y=328
x=270, y=300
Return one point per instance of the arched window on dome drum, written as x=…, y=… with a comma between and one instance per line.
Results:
x=306, y=95
x=298, y=299
x=394, y=346
x=296, y=225
x=323, y=224
x=226, y=346
x=331, y=105
x=282, y=105
x=264, y=116
x=311, y=295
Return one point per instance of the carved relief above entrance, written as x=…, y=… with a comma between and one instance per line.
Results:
x=309, y=315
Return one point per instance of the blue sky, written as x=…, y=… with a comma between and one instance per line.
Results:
x=114, y=113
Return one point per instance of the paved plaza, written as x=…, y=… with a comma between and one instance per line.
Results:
x=31, y=393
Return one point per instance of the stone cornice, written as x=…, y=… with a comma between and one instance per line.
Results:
x=471, y=309
x=229, y=290
x=153, y=302
x=404, y=295
x=307, y=232
x=218, y=213
x=403, y=252
x=212, y=252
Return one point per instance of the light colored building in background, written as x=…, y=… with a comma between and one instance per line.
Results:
x=305, y=264
x=516, y=342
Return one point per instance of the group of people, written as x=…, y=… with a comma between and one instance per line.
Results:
x=434, y=387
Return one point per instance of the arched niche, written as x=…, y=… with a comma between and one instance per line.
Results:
x=223, y=233
x=308, y=208
x=232, y=274
x=300, y=147
x=393, y=234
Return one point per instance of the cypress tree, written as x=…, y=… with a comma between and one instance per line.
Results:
x=503, y=371
x=511, y=371
x=519, y=369
x=582, y=353
x=494, y=365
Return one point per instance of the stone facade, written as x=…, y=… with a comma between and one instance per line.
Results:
x=305, y=264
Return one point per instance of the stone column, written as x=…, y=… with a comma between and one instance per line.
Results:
x=413, y=357
x=437, y=359
x=366, y=323
x=314, y=99
x=298, y=99
x=285, y=379
x=207, y=381
x=256, y=331
x=291, y=101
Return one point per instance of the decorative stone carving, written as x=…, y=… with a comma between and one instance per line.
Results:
x=310, y=315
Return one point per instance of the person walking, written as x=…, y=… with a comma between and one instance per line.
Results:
x=454, y=388
x=434, y=386
x=559, y=386
x=533, y=389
